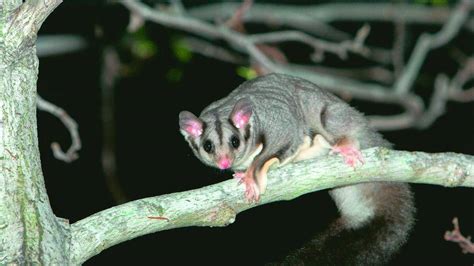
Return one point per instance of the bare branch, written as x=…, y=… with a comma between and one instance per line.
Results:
x=303, y=17
x=281, y=17
x=320, y=46
x=398, y=52
x=51, y=45
x=109, y=75
x=135, y=22
x=172, y=20
x=218, y=205
x=465, y=74
x=71, y=125
x=375, y=73
x=427, y=42
x=178, y=6
x=235, y=22
x=437, y=103
x=213, y=51
x=414, y=110
x=455, y=236
x=412, y=103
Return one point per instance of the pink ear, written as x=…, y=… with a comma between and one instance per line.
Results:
x=190, y=124
x=241, y=113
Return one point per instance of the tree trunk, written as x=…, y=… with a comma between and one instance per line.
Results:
x=29, y=231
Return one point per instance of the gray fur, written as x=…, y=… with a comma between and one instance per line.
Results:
x=287, y=109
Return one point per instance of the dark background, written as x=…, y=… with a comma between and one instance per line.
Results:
x=153, y=158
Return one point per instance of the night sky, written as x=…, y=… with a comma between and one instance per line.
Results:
x=148, y=144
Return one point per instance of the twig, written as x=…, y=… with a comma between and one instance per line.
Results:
x=427, y=42
x=172, y=20
x=437, y=103
x=236, y=22
x=218, y=204
x=71, y=125
x=412, y=103
x=455, y=236
x=52, y=45
x=465, y=74
x=135, y=22
x=398, y=52
x=265, y=63
x=374, y=73
x=279, y=18
x=109, y=75
x=208, y=49
x=320, y=46
x=178, y=6
x=304, y=17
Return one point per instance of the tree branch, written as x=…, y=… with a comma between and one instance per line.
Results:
x=456, y=236
x=71, y=154
x=29, y=231
x=414, y=115
x=218, y=205
x=412, y=103
x=25, y=24
x=464, y=74
x=427, y=42
x=320, y=46
x=300, y=16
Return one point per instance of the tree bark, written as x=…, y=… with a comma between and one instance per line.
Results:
x=219, y=204
x=29, y=231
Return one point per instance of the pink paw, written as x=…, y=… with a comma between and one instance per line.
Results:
x=252, y=193
x=239, y=176
x=350, y=154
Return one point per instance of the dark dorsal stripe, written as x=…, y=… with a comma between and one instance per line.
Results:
x=323, y=115
x=247, y=133
x=218, y=125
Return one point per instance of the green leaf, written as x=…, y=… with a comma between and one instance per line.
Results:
x=181, y=50
x=439, y=2
x=141, y=45
x=144, y=48
x=246, y=72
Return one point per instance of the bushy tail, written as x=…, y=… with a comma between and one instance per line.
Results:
x=374, y=242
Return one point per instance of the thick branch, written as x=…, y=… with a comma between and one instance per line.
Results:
x=29, y=231
x=23, y=25
x=218, y=205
